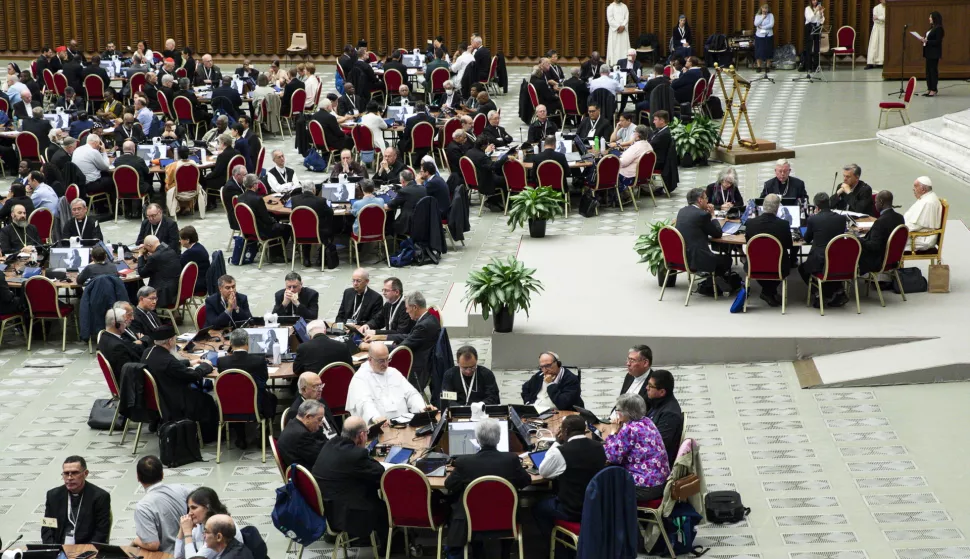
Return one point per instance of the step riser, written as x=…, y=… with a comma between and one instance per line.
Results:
x=943, y=143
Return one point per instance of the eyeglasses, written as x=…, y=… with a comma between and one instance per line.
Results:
x=546, y=365
x=637, y=360
x=380, y=361
x=653, y=386
x=469, y=369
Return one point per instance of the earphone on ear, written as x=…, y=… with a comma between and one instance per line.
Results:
x=117, y=322
x=555, y=356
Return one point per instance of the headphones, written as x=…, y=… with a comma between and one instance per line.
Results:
x=117, y=322
x=554, y=356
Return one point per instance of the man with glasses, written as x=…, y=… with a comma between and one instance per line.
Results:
x=310, y=387
x=554, y=386
x=160, y=226
x=664, y=410
x=305, y=434
x=638, y=362
x=594, y=125
x=393, y=318
x=468, y=382
x=145, y=319
x=76, y=512
x=360, y=304
x=378, y=392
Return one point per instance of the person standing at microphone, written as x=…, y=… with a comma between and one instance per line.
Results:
x=814, y=19
x=933, y=52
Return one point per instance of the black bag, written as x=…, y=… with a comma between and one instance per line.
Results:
x=588, y=204
x=714, y=108
x=331, y=259
x=178, y=443
x=912, y=280
x=725, y=506
x=102, y=412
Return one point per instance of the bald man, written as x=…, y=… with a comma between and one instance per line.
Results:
x=320, y=350
x=360, y=304
x=161, y=265
x=220, y=537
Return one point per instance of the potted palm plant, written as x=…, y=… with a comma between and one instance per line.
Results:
x=501, y=288
x=537, y=206
x=694, y=140
x=648, y=247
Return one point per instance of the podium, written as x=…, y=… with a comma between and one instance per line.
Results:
x=955, y=63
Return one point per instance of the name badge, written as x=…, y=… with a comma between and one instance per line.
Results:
x=48, y=522
x=449, y=395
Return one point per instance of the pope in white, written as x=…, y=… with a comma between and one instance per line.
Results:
x=378, y=392
x=926, y=214
x=618, y=42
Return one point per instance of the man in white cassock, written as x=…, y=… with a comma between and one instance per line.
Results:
x=926, y=214
x=618, y=16
x=379, y=392
x=877, y=39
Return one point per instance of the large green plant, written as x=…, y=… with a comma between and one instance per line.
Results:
x=534, y=203
x=502, y=283
x=696, y=137
x=648, y=247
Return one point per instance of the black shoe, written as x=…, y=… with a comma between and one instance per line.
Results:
x=723, y=284
x=307, y=263
x=869, y=67
x=838, y=300
x=241, y=443
x=415, y=550
x=771, y=299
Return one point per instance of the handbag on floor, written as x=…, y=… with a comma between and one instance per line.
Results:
x=102, y=412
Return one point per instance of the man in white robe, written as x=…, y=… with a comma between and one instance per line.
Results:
x=877, y=39
x=926, y=214
x=618, y=16
x=378, y=392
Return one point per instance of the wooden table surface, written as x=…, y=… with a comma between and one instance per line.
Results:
x=278, y=209
x=739, y=240
x=74, y=550
x=17, y=268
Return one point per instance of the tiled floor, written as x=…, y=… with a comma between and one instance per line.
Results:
x=828, y=474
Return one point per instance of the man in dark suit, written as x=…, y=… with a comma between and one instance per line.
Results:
x=144, y=320
x=393, y=318
x=785, y=185
x=220, y=171
x=549, y=153
x=332, y=133
x=658, y=79
x=25, y=107
x=394, y=63
x=450, y=98
x=267, y=226
x=166, y=230
x=488, y=461
x=422, y=337
x=199, y=111
x=292, y=84
x=697, y=225
x=350, y=479
x=349, y=103
x=208, y=73
x=496, y=134
x=309, y=386
x=663, y=143
x=306, y=197
x=73, y=71
x=70, y=102
x=469, y=381
x=220, y=538
x=241, y=145
x=302, y=438
x=389, y=171
x=770, y=224
x=95, y=69
x=255, y=365
x=116, y=345
x=822, y=227
x=854, y=194
x=38, y=126
x=420, y=115
x=664, y=411
x=594, y=124
x=456, y=149
x=541, y=127
x=684, y=85
x=255, y=144
x=435, y=186
x=129, y=158
x=483, y=58
x=638, y=362
x=178, y=384
x=234, y=187
x=160, y=264
x=488, y=172
x=226, y=308
x=591, y=68
x=227, y=91
x=580, y=87
x=167, y=87
x=320, y=351
x=83, y=520
x=47, y=59
x=296, y=300
x=546, y=95
x=406, y=200
x=359, y=303
x=552, y=386
x=129, y=130
x=363, y=76
x=875, y=241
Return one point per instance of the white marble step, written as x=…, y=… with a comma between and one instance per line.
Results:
x=958, y=122
x=943, y=143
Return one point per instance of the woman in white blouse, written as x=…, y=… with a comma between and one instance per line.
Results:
x=203, y=503
x=372, y=119
x=764, y=40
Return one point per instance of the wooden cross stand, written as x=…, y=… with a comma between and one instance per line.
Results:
x=737, y=101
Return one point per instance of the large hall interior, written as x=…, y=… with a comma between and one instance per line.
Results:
x=839, y=427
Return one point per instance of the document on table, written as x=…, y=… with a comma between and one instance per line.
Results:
x=850, y=214
x=272, y=370
x=864, y=225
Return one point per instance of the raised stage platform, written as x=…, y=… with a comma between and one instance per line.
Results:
x=599, y=301
x=940, y=142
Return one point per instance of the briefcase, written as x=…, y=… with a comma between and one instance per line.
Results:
x=939, y=278
x=685, y=487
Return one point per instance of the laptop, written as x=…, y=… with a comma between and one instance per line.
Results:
x=524, y=411
x=465, y=412
x=580, y=151
x=399, y=455
x=106, y=551
x=589, y=416
x=71, y=259
x=199, y=336
x=731, y=227
x=537, y=457
x=462, y=440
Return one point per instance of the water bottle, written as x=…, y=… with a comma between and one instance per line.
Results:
x=121, y=253
x=16, y=123
x=33, y=256
x=276, y=353
x=596, y=143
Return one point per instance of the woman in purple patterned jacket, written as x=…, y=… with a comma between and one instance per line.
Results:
x=639, y=448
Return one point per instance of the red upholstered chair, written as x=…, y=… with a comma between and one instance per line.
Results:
x=371, y=230
x=306, y=484
x=186, y=290
x=72, y=193
x=60, y=84
x=710, y=84
x=187, y=180
x=82, y=138
x=11, y=319
x=891, y=262
x=336, y=379
x=163, y=107
x=50, y=91
x=433, y=311
x=550, y=173
x=646, y=166
x=297, y=103
x=274, y=446
x=570, y=105
x=306, y=231
x=200, y=317
x=533, y=96
x=492, y=82
x=43, y=220
x=844, y=45
x=608, y=177
x=260, y=158
x=470, y=174
x=136, y=82
x=236, y=160
x=422, y=140
x=157, y=56
x=43, y=304
x=126, y=181
x=319, y=140
x=94, y=90
x=451, y=125
x=392, y=82
x=887, y=107
x=151, y=401
x=113, y=386
x=232, y=232
x=407, y=494
x=565, y=533
x=371, y=57
x=237, y=396
x=515, y=178
x=841, y=265
x=438, y=78
x=181, y=73
x=247, y=227
x=363, y=140
x=490, y=506
x=479, y=123
x=402, y=359
x=675, y=260
x=765, y=258
x=4, y=105
x=183, y=112
x=668, y=70
x=29, y=147
x=698, y=98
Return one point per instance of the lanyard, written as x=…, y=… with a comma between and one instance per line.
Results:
x=155, y=230
x=73, y=521
x=82, y=228
x=357, y=307
x=394, y=308
x=469, y=386
x=208, y=72
x=150, y=319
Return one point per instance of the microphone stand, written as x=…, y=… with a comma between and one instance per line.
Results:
x=902, y=72
x=814, y=75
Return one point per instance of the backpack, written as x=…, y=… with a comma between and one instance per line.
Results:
x=315, y=162
x=331, y=259
x=242, y=252
x=588, y=205
x=405, y=257
x=725, y=506
x=681, y=529
x=714, y=108
x=178, y=443
x=294, y=517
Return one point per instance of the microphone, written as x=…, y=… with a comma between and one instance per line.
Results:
x=20, y=537
x=835, y=181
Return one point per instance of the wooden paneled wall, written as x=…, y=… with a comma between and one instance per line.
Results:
x=517, y=28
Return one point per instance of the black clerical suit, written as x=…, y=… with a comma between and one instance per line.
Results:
x=134, y=133
x=144, y=323
x=162, y=268
x=297, y=445
x=771, y=224
x=421, y=341
x=308, y=308
x=231, y=95
x=267, y=226
x=138, y=164
x=41, y=128
x=359, y=308
x=329, y=422
x=453, y=153
x=90, y=511
x=483, y=62
x=119, y=350
x=406, y=200
x=564, y=394
x=858, y=200
x=332, y=133
x=350, y=479
x=794, y=188
x=167, y=232
x=497, y=136
x=86, y=229
x=875, y=241
x=438, y=188
x=230, y=189
x=324, y=215
x=220, y=172
x=288, y=90
x=483, y=385
x=319, y=352
x=255, y=365
x=697, y=227
x=488, y=172
x=669, y=419
x=601, y=128
x=13, y=238
x=74, y=73
x=392, y=319
x=216, y=315
x=178, y=389
x=392, y=175
x=820, y=229
x=349, y=104
x=212, y=75
x=545, y=94
x=486, y=107
x=628, y=381
x=486, y=462
x=538, y=130
x=549, y=154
